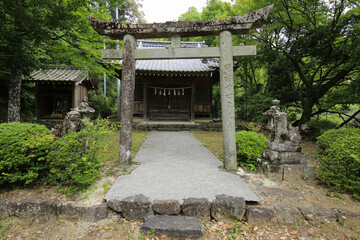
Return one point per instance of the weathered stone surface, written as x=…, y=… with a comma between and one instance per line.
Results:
x=127, y=99
x=276, y=157
x=266, y=191
x=33, y=207
x=347, y=218
x=166, y=207
x=136, y=207
x=227, y=207
x=3, y=208
x=196, y=207
x=274, y=172
x=318, y=215
x=173, y=227
x=227, y=100
x=257, y=182
x=114, y=204
x=239, y=24
x=298, y=171
x=288, y=216
x=281, y=147
x=70, y=211
x=259, y=216
x=96, y=212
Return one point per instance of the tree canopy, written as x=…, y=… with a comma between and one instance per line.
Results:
x=36, y=33
x=307, y=51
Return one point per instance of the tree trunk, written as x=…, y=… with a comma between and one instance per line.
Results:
x=307, y=106
x=14, y=94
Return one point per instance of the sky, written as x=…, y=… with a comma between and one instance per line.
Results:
x=169, y=10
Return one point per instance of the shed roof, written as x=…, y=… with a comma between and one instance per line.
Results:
x=175, y=65
x=59, y=73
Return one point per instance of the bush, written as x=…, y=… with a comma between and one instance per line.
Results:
x=339, y=160
x=250, y=146
x=321, y=126
x=23, y=148
x=72, y=159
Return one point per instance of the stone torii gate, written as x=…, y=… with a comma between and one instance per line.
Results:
x=175, y=30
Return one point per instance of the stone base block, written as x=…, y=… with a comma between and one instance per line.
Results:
x=228, y=208
x=173, y=227
x=166, y=207
x=196, y=207
x=281, y=147
x=136, y=207
x=259, y=215
x=298, y=171
x=272, y=171
x=288, y=216
x=277, y=157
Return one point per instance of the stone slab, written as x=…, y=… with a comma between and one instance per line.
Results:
x=318, y=215
x=173, y=227
x=174, y=165
x=260, y=215
x=166, y=207
x=197, y=207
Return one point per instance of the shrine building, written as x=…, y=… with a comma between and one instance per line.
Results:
x=60, y=88
x=174, y=89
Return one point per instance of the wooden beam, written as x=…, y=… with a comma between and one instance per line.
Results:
x=179, y=53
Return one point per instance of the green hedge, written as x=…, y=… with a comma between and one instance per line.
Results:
x=29, y=154
x=250, y=146
x=23, y=148
x=339, y=160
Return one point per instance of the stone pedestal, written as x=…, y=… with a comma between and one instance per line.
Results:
x=283, y=159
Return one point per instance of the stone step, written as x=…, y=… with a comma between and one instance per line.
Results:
x=173, y=227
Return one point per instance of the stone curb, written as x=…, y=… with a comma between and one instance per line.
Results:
x=40, y=208
x=138, y=207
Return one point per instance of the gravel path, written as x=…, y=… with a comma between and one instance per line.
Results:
x=174, y=165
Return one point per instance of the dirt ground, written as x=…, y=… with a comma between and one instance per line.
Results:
x=290, y=193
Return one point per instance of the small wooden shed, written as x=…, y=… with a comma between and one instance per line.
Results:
x=174, y=89
x=60, y=88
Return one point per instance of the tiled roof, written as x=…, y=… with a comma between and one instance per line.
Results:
x=175, y=65
x=61, y=74
x=141, y=44
x=178, y=65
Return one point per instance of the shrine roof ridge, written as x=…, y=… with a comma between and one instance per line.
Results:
x=62, y=73
x=236, y=25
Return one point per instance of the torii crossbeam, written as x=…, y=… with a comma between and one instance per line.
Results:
x=224, y=28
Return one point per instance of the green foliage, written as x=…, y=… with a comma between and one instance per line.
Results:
x=23, y=148
x=339, y=160
x=251, y=107
x=320, y=126
x=250, y=146
x=72, y=159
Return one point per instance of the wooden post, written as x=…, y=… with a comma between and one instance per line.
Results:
x=227, y=99
x=145, y=101
x=127, y=99
x=193, y=104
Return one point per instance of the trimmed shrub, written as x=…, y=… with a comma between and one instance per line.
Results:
x=72, y=158
x=339, y=160
x=23, y=148
x=250, y=146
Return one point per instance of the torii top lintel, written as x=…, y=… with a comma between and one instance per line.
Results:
x=236, y=25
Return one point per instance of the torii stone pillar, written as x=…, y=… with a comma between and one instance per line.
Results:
x=127, y=99
x=227, y=99
x=225, y=28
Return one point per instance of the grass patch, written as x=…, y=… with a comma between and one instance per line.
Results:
x=212, y=141
x=109, y=147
